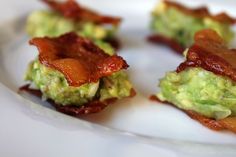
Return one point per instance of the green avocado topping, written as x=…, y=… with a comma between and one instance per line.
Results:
x=116, y=85
x=53, y=85
x=199, y=90
x=172, y=23
x=52, y=24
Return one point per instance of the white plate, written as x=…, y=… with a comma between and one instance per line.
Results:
x=130, y=127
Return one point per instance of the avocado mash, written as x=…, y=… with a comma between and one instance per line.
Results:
x=199, y=90
x=52, y=24
x=53, y=85
x=116, y=85
x=172, y=23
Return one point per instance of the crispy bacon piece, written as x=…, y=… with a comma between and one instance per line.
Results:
x=157, y=38
x=210, y=123
x=201, y=12
x=211, y=53
x=93, y=106
x=229, y=123
x=77, y=58
x=217, y=125
x=71, y=9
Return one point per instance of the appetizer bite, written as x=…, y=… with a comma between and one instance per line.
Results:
x=175, y=25
x=204, y=85
x=70, y=16
x=76, y=76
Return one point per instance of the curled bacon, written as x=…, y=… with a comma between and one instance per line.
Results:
x=71, y=9
x=201, y=12
x=228, y=123
x=77, y=58
x=211, y=53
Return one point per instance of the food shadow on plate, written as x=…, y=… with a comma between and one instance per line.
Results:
x=109, y=114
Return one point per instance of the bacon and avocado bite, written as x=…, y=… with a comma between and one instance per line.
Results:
x=76, y=76
x=204, y=85
x=175, y=25
x=70, y=16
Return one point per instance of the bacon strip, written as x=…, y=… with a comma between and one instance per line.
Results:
x=229, y=123
x=217, y=125
x=210, y=53
x=71, y=9
x=201, y=12
x=77, y=58
x=157, y=38
x=210, y=123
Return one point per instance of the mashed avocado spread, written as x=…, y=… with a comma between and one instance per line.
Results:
x=52, y=24
x=53, y=85
x=172, y=23
x=199, y=90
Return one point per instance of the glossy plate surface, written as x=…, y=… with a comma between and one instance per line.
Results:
x=138, y=126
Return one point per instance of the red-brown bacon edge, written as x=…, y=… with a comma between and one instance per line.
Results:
x=71, y=9
x=211, y=53
x=77, y=58
x=94, y=106
x=201, y=12
x=217, y=125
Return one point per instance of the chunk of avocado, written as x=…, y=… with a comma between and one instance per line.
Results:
x=116, y=85
x=52, y=24
x=199, y=90
x=54, y=85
